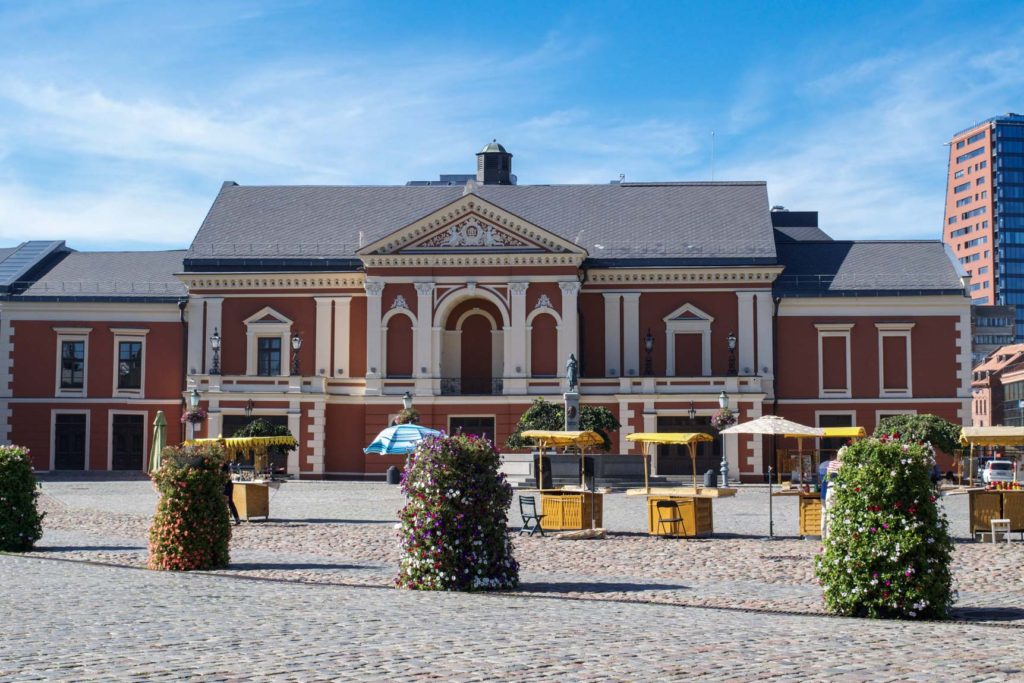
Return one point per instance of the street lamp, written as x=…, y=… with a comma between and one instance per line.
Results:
x=215, y=345
x=723, y=403
x=407, y=401
x=296, y=345
x=193, y=402
x=648, y=346
x=249, y=405
x=692, y=412
x=732, y=352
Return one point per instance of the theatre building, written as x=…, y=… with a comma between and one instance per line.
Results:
x=320, y=307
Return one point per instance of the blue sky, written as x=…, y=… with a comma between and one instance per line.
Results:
x=120, y=120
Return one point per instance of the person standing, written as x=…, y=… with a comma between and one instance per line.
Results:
x=229, y=490
x=828, y=492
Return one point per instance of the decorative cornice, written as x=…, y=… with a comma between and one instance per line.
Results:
x=518, y=288
x=373, y=287
x=274, y=281
x=471, y=260
x=670, y=275
x=425, y=288
x=569, y=288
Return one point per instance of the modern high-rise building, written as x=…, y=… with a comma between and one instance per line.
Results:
x=984, y=221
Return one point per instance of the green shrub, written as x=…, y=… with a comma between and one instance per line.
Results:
x=941, y=434
x=454, y=530
x=544, y=415
x=190, y=528
x=888, y=549
x=21, y=524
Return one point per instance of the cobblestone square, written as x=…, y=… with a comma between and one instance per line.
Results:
x=308, y=597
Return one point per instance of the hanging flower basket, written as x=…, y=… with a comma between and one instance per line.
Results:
x=193, y=416
x=723, y=418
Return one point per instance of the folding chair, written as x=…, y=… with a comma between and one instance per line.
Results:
x=528, y=509
x=669, y=514
x=1001, y=526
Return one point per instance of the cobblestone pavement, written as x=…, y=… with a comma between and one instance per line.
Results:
x=337, y=540
x=99, y=623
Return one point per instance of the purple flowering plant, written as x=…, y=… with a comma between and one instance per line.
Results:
x=723, y=418
x=888, y=550
x=193, y=416
x=454, y=527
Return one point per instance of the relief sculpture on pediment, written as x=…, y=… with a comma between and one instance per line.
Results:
x=471, y=233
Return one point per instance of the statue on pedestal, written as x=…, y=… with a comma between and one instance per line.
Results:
x=572, y=372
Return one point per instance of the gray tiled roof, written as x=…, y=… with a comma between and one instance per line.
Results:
x=801, y=234
x=687, y=221
x=114, y=274
x=862, y=268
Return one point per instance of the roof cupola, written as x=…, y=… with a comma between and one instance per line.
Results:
x=494, y=165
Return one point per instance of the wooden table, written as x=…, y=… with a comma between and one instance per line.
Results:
x=696, y=513
x=987, y=505
x=252, y=499
x=565, y=510
x=810, y=511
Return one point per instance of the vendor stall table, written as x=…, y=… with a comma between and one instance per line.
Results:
x=697, y=518
x=566, y=510
x=252, y=499
x=987, y=505
x=810, y=511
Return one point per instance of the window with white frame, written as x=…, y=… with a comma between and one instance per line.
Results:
x=895, y=372
x=268, y=343
x=129, y=361
x=688, y=320
x=834, y=372
x=72, y=356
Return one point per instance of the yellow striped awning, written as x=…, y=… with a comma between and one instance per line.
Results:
x=992, y=436
x=546, y=438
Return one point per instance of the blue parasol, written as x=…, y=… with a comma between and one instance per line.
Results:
x=399, y=440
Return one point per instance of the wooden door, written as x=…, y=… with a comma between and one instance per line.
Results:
x=128, y=442
x=69, y=442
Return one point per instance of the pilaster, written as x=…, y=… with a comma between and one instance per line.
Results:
x=612, y=335
x=765, y=366
x=322, y=349
x=745, y=334
x=195, y=313
x=214, y=306
x=631, y=334
x=516, y=341
x=374, y=291
x=423, y=338
x=342, y=335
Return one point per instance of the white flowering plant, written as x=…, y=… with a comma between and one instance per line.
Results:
x=21, y=523
x=888, y=550
x=454, y=527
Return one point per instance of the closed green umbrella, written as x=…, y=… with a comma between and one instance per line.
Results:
x=159, y=441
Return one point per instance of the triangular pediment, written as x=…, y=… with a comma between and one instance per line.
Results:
x=471, y=225
x=688, y=313
x=267, y=316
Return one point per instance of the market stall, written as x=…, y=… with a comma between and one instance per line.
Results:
x=250, y=490
x=568, y=508
x=988, y=504
x=690, y=508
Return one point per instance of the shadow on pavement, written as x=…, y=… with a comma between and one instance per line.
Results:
x=282, y=520
x=74, y=548
x=989, y=613
x=90, y=476
x=589, y=587
x=250, y=566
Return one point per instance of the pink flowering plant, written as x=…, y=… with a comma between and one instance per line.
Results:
x=723, y=418
x=190, y=529
x=888, y=550
x=454, y=527
x=193, y=416
x=21, y=523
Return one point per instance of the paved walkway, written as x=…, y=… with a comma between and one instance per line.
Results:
x=314, y=585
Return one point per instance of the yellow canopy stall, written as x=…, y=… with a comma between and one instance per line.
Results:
x=243, y=444
x=559, y=439
x=687, y=439
x=988, y=436
x=844, y=432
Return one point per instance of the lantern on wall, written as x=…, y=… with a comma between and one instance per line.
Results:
x=296, y=345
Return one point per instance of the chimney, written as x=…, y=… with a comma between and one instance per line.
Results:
x=494, y=165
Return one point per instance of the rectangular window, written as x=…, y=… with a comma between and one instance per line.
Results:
x=973, y=212
x=960, y=144
x=986, y=283
x=975, y=242
x=961, y=187
x=980, y=181
x=970, y=155
x=975, y=287
x=983, y=164
x=959, y=174
x=963, y=202
x=984, y=194
x=834, y=372
x=951, y=220
x=974, y=138
x=72, y=364
x=982, y=270
x=268, y=356
x=129, y=365
x=962, y=231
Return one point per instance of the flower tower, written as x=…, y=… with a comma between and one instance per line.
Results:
x=454, y=530
x=20, y=521
x=888, y=551
x=190, y=528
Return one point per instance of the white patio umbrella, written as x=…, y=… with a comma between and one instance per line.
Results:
x=773, y=425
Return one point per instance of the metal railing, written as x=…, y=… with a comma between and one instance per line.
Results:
x=471, y=386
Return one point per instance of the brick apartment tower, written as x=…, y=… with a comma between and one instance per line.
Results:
x=984, y=220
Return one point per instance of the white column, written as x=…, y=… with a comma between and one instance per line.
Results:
x=745, y=335
x=568, y=331
x=612, y=335
x=423, y=337
x=631, y=334
x=650, y=416
x=195, y=335
x=374, y=292
x=294, y=422
x=342, y=333
x=322, y=350
x=213, y=323
x=765, y=366
x=516, y=340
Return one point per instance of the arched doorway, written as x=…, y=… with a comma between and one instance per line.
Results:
x=472, y=353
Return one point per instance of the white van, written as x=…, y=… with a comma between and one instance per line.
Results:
x=997, y=470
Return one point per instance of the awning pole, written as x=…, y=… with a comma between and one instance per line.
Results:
x=646, y=452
